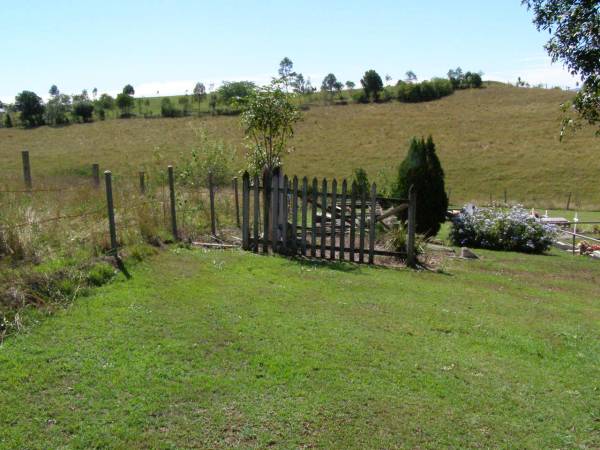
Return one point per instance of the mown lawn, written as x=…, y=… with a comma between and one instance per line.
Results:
x=224, y=349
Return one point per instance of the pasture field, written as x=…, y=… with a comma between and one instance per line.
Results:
x=218, y=349
x=488, y=140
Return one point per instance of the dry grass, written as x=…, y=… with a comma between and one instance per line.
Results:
x=489, y=140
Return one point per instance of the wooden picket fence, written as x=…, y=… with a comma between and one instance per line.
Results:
x=284, y=216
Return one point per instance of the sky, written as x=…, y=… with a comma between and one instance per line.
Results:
x=167, y=46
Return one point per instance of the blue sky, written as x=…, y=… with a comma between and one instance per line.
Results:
x=169, y=45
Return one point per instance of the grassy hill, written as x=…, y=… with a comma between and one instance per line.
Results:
x=489, y=140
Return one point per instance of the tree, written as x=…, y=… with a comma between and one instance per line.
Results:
x=57, y=110
x=53, y=90
x=574, y=26
x=185, y=103
x=473, y=80
x=7, y=121
x=268, y=117
x=300, y=85
x=167, y=109
x=422, y=169
x=361, y=179
x=372, y=84
x=128, y=90
x=30, y=105
x=350, y=85
x=411, y=77
x=125, y=102
x=235, y=90
x=199, y=92
x=94, y=93
x=456, y=77
x=286, y=75
x=83, y=109
x=329, y=83
x=388, y=78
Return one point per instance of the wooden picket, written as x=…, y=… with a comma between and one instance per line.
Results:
x=342, y=225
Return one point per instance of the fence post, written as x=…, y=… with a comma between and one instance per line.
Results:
x=410, y=241
x=211, y=193
x=245, y=210
x=26, y=169
x=505, y=197
x=142, y=176
x=568, y=202
x=111, y=213
x=96, y=175
x=372, y=224
x=237, y=204
x=172, y=196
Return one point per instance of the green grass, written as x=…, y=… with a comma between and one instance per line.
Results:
x=225, y=349
x=488, y=140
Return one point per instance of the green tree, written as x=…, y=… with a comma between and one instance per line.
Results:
x=350, y=85
x=125, y=103
x=128, y=90
x=58, y=109
x=329, y=83
x=83, y=109
x=235, y=90
x=362, y=181
x=53, y=90
x=422, y=169
x=411, y=77
x=574, y=26
x=372, y=84
x=286, y=73
x=268, y=117
x=7, y=120
x=30, y=105
x=167, y=109
x=199, y=92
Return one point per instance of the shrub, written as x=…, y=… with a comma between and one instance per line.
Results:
x=100, y=274
x=208, y=155
x=425, y=91
x=31, y=108
x=235, y=90
x=397, y=237
x=501, y=229
x=125, y=103
x=8, y=121
x=167, y=109
x=362, y=181
x=83, y=110
x=422, y=169
x=360, y=97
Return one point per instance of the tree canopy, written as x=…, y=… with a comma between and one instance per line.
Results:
x=372, y=84
x=30, y=105
x=574, y=26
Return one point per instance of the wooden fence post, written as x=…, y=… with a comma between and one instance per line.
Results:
x=245, y=210
x=363, y=225
x=304, y=214
x=295, y=214
x=323, y=218
x=333, y=218
x=315, y=200
x=353, y=195
x=266, y=180
x=256, y=217
x=284, y=214
x=410, y=240
x=172, y=196
x=142, y=176
x=568, y=202
x=211, y=194
x=505, y=197
x=372, y=224
x=111, y=213
x=96, y=175
x=343, y=221
x=26, y=169
x=237, y=204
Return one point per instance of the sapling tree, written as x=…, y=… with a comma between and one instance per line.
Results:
x=268, y=116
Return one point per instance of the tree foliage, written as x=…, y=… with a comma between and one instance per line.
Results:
x=422, y=169
x=83, y=109
x=128, y=90
x=30, y=105
x=125, y=103
x=329, y=83
x=199, y=92
x=574, y=26
x=58, y=109
x=372, y=84
x=53, y=90
x=235, y=90
x=268, y=117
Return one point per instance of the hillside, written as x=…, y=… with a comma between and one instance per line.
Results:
x=489, y=140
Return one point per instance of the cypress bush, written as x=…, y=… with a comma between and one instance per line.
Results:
x=422, y=169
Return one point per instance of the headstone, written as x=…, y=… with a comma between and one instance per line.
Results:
x=467, y=253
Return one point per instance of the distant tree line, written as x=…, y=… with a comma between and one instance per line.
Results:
x=62, y=109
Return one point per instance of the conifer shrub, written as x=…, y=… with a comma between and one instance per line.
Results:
x=422, y=169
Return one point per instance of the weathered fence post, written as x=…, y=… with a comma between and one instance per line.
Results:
x=256, y=217
x=568, y=202
x=372, y=224
x=211, y=194
x=172, y=196
x=237, y=204
x=283, y=216
x=410, y=240
x=266, y=180
x=142, y=176
x=304, y=214
x=275, y=212
x=323, y=218
x=333, y=218
x=505, y=197
x=313, y=233
x=295, y=214
x=96, y=175
x=353, y=196
x=245, y=211
x=26, y=169
x=343, y=221
x=111, y=213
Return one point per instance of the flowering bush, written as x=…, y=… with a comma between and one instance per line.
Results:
x=501, y=229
